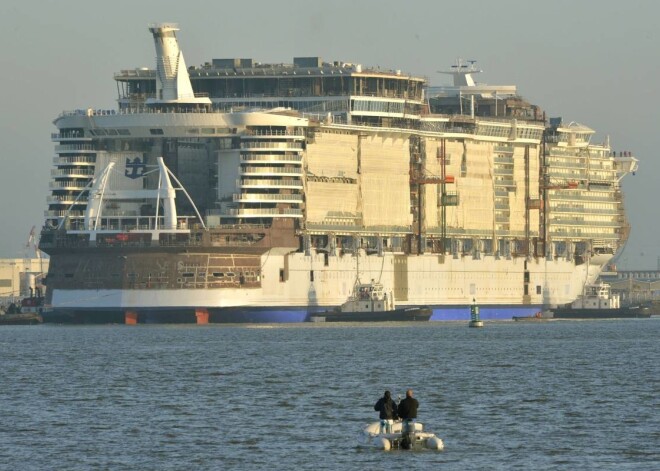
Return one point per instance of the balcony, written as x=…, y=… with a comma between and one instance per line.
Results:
x=265, y=212
x=269, y=145
x=70, y=160
x=65, y=199
x=69, y=136
x=271, y=158
x=61, y=213
x=275, y=171
x=79, y=185
x=72, y=172
x=267, y=198
x=269, y=183
x=73, y=148
x=295, y=134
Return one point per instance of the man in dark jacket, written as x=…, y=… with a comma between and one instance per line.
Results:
x=388, y=412
x=408, y=410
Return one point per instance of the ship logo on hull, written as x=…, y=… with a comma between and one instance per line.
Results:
x=135, y=168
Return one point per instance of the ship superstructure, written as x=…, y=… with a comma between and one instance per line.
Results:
x=241, y=191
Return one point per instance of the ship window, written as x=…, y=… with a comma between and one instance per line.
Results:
x=193, y=131
x=311, y=275
x=538, y=289
x=208, y=131
x=326, y=259
x=281, y=274
x=230, y=274
x=124, y=132
x=526, y=290
x=188, y=275
x=218, y=274
x=156, y=132
x=112, y=132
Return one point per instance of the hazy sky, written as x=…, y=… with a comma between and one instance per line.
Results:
x=595, y=62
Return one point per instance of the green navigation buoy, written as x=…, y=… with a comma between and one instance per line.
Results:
x=475, y=321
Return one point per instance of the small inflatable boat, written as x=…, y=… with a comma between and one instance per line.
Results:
x=418, y=439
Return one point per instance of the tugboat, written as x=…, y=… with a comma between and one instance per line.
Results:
x=27, y=313
x=371, y=302
x=598, y=302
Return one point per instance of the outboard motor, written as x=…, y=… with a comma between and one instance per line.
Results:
x=408, y=435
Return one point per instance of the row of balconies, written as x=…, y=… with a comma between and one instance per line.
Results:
x=297, y=133
x=504, y=159
x=68, y=185
x=75, y=148
x=69, y=136
x=272, y=158
x=78, y=160
x=265, y=212
x=269, y=183
x=582, y=234
x=59, y=213
x=282, y=171
x=72, y=172
x=582, y=197
x=267, y=197
x=268, y=145
x=568, y=210
x=65, y=199
x=558, y=221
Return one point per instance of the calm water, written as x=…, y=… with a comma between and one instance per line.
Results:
x=557, y=395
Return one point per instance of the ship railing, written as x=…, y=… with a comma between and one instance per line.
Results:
x=555, y=221
x=253, y=182
x=71, y=172
x=323, y=117
x=276, y=132
x=71, y=147
x=562, y=195
x=265, y=211
x=274, y=197
x=570, y=209
x=269, y=170
x=79, y=185
x=87, y=112
x=68, y=135
x=270, y=145
x=66, y=160
x=294, y=158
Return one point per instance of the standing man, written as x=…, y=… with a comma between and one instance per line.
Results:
x=388, y=413
x=408, y=412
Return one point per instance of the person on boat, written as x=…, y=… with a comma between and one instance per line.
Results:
x=388, y=412
x=407, y=411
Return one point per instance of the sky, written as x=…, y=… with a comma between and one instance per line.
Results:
x=596, y=63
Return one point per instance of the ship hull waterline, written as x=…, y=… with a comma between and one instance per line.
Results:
x=257, y=315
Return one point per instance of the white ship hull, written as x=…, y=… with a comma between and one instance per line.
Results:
x=449, y=286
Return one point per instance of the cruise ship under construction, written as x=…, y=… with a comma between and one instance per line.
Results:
x=239, y=191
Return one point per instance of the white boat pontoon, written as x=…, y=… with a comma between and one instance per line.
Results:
x=418, y=439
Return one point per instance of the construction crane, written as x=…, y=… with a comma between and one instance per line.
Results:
x=420, y=176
